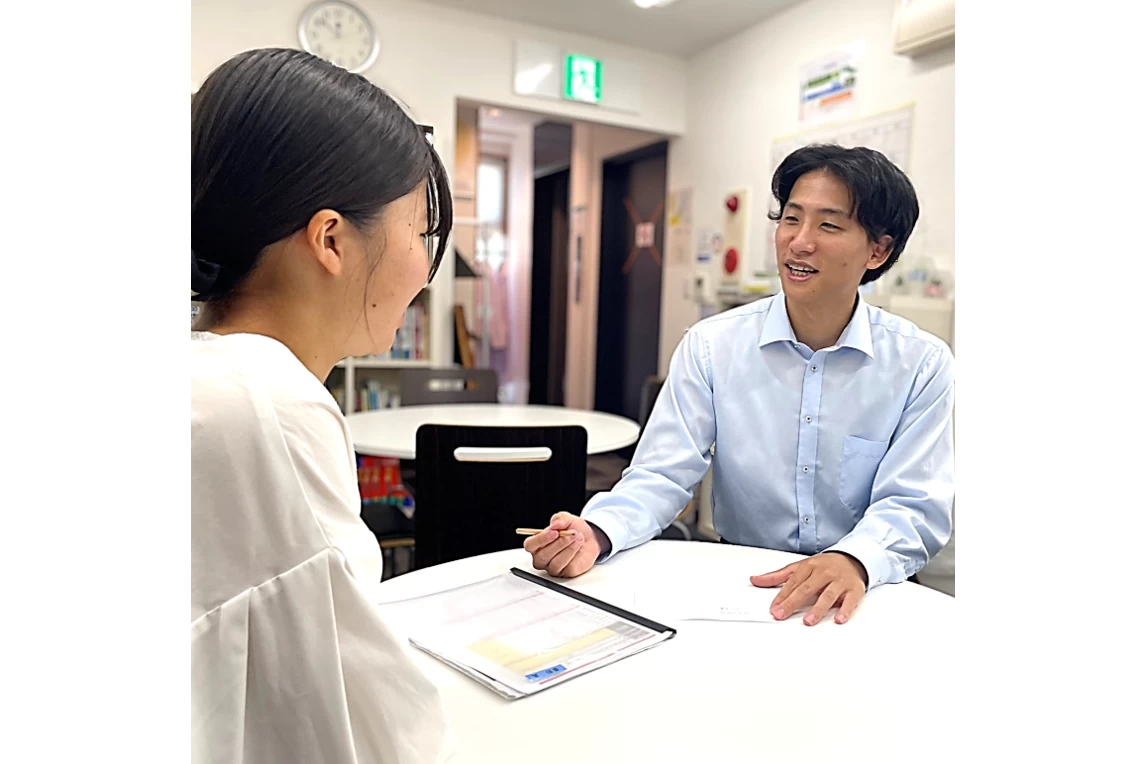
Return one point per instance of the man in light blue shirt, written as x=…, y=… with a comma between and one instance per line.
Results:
x=827, y=421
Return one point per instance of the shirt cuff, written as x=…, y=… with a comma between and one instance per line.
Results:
x=612, y=528
x=871, y=555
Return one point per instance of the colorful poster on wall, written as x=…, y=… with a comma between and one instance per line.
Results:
x=829, y=86
x=680, y=226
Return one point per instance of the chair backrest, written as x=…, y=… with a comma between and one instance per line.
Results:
x=477, y=485
x=419, y=387
x=649, y=392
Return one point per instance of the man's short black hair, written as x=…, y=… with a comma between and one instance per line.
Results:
x=883, y=199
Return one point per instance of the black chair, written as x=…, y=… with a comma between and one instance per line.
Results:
x=604, y=470
x=395, y=534
x=421, y=387
x=477, y=485
x=394, y=531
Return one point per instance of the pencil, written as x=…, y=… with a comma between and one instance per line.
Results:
x=535, y=531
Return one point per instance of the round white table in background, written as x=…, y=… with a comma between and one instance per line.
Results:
x=780, y=691
x=393, y=432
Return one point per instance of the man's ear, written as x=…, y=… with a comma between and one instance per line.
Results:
x=880, y=251
x=327, y=237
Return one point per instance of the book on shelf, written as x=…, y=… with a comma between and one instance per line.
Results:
x=373, y=396
x=370, y=397
x=380, y=482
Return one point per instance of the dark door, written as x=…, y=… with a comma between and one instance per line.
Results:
x=629, y=303
x=548, y=293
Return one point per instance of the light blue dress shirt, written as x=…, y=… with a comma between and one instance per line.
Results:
x=848, y=448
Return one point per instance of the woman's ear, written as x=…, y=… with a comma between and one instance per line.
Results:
x=327, y=236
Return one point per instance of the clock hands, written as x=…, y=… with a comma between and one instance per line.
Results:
x=337, y=28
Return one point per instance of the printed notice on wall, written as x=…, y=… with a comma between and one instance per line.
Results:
x=646, y=235
x=829, y=86
x=680, y=226
x=708, y=244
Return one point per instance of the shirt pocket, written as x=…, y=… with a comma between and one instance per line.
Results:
x=858, y=465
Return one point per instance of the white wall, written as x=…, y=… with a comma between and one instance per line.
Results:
x=431, y=56
x=743, y=94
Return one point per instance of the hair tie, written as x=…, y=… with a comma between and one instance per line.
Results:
x=204, y=276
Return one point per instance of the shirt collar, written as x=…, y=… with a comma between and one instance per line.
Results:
x=777, y=328
x=856, y=335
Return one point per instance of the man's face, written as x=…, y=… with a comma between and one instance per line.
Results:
x=821, y=250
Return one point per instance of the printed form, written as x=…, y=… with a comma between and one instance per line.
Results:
x=517, y=637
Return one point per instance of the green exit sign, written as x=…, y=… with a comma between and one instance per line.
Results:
x=582, y=79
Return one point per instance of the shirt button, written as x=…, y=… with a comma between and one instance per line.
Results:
x=805, y=519
x=813, y=368
x=805, y=469
x=808, y=419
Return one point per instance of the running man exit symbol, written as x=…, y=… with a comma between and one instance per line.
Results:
x=582, y=79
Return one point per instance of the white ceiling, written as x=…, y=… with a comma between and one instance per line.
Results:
x=684, y=28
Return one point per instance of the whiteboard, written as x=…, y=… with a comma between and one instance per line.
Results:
x=888, y=133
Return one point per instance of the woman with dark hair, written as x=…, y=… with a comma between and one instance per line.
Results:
x=312, y=199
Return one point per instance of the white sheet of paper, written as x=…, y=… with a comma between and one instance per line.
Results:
x=709, y=600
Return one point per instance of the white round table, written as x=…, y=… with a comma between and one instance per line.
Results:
x=779, y=691
x=393, y=432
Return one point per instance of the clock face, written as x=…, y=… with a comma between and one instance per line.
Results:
x=340, y=33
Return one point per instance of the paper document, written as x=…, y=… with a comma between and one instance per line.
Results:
x=709, y=601
x=518, y=637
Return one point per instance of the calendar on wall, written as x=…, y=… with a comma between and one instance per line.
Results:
x=888, y=133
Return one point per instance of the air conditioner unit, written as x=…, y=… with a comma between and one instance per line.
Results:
x=923, y=26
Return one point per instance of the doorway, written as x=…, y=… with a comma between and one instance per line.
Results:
x=552, y=147
x=550, y=277
x=632, y=249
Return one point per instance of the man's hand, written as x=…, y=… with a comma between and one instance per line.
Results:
x=827, y=579
x=566, y=556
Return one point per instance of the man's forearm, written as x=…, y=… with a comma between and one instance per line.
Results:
x=602, y=541
x=638, y=508
x=897, y=537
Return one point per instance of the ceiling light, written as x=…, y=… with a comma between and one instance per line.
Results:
x=652, y=3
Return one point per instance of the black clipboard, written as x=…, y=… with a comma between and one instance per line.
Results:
x=660, y=628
